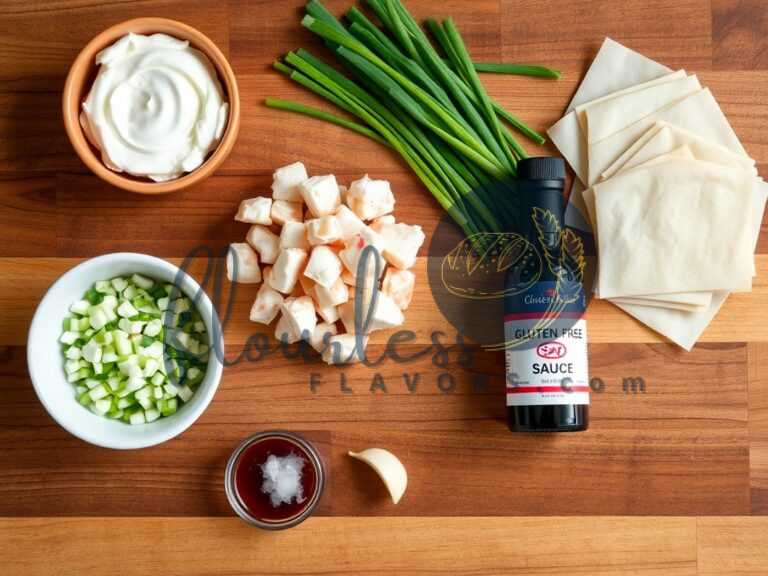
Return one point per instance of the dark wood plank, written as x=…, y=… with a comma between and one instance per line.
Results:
x=31, y=200
x=258, y=36
x=743, y=97
x=39, y=45
x=360, y=546
x=94, y=217
x=758, y=427
x=637, y=458
x=25, y=280
x=738, y=35
x=568, y=33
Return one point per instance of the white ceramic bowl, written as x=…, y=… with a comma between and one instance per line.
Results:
x=46, y=361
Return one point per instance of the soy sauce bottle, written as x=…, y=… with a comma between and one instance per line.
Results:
x=547, y=373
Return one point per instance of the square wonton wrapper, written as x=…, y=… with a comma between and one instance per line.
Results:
x=685, y=328
x=605, y=118
x=570, y=133
x=689, y=301
x=698, y=113
x=614, y=68
x=663, y=137
x=670, y=140
x=667, y=304
x=695, y=239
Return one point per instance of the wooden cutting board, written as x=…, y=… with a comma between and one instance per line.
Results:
x=670, y=481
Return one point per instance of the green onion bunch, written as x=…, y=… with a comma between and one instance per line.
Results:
x=431, y=109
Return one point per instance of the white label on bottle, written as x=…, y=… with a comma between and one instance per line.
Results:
x=550, y=368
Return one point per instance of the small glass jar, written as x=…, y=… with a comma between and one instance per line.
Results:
x=243, y=479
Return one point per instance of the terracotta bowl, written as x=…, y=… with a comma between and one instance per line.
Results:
x=83, y=73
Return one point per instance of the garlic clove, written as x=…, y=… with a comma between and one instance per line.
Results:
x=388, y=467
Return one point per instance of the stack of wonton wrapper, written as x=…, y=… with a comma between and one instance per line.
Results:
x=672, y=197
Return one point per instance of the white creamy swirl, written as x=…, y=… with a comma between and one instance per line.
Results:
x=156, y=108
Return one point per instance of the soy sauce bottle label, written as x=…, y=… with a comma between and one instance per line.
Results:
x=544, y=325
x=549, y=366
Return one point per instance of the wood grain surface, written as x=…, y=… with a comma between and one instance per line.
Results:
x=670, y=481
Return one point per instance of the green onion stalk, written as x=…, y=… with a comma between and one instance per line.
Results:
x=430, y=108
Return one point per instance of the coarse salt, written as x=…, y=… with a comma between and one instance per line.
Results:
x=282, y=479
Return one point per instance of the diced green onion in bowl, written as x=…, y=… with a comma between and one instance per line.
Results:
x=135, y=349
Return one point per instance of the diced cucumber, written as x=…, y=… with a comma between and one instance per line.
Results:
x=194, y=372
x=110, y=302
x=142, y=281
x=135, y=384
x=72, y=366
x=151, y=368
x=91, y=383
x=186, y=394
x=69, y=338
x=130, y=292
x=126, y=365
x=122, y=344
x=108, y=355
x=171, y=389
x=80, y=375
x=126, y=310
x=103, y=405
x=146, y=403
x=98, y=392
x=153, y=328
x=92, y=351
x=124, y=403
x=119, y=284
x=80, y=307
x=98, y=318
x=114, y=351
x=180, y=305
x=151, y=414
x=141, y=301
x=137, y=418
x=154, y=350
x=94, y=297
x=111, y=314
x=171, y=406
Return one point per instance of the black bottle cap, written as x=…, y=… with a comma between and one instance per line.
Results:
x=541, y=168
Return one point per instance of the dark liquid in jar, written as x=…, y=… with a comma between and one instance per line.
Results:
x=249, y=479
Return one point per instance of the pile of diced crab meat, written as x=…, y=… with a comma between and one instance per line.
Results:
x=304, y=247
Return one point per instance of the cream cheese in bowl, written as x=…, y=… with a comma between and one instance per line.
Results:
x=156, y=108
